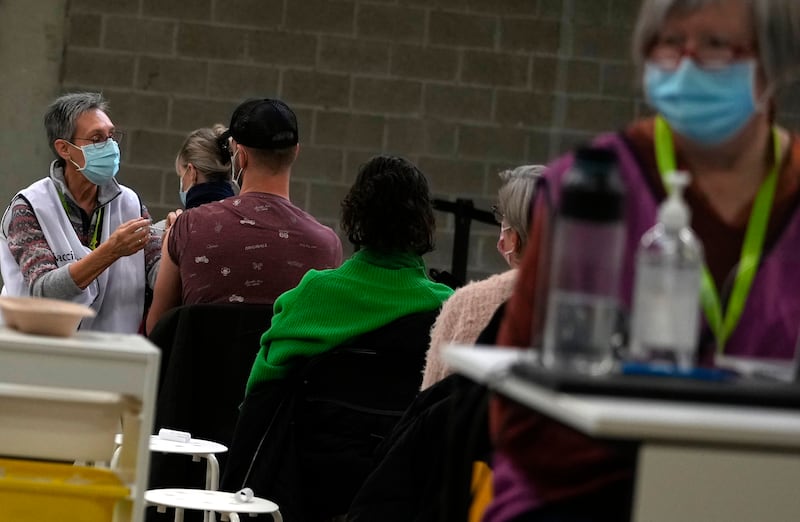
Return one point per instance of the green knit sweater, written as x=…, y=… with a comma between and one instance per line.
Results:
x=329, y=307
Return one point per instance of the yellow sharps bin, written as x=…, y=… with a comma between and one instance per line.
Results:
x=36, y=491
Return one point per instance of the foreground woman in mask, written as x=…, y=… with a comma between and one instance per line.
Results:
x=710, y=69
x=78, y=235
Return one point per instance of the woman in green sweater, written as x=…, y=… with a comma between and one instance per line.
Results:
x=388, y=217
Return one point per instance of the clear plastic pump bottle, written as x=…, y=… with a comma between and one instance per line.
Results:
x=666, y=301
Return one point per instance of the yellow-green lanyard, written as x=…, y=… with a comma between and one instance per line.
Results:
x=723, y=325
x=96, y=234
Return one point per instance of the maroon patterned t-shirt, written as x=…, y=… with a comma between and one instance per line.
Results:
x=248, y=248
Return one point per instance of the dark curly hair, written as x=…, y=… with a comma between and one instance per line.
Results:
x=389, y=207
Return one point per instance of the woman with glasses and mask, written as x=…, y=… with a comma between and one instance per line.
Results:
x=710, y=69
x=78, y=235
x=468, y=311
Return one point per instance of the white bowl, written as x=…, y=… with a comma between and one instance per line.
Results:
x=37, y=315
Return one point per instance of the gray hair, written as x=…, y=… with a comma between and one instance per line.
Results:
x=61, y=115
x=202, y=148
x=515, y=197
x=776, y=24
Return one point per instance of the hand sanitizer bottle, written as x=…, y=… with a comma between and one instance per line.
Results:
x=666, y=300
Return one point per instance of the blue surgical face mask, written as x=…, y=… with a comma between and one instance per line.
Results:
x=707, y=106
x=102, y=161
x=236, y=176
x=501, y=246
x=181, y=192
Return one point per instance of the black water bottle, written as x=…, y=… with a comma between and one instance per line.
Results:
x=586, y=265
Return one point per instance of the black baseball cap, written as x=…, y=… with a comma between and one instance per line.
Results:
x=264, y=123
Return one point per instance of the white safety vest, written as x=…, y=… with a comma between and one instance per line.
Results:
x=117, y=295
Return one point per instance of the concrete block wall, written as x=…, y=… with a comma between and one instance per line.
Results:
x=464, y=88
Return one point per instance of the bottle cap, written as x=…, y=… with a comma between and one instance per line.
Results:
x=243, y=495
x=674, y=213
x=593, y=191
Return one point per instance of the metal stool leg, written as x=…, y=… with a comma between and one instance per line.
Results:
x=212, y=473
x=115, y=458
x=212, y=481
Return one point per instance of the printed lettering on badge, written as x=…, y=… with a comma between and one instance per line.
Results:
x=66, y=257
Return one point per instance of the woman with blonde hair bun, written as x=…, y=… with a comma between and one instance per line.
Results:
x=203, y=166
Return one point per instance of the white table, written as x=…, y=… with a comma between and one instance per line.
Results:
x=200, y=499
x=697, y=462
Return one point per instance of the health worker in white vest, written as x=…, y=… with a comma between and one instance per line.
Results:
x=78, y=235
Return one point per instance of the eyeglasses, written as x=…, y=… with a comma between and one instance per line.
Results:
x=709, y=52
x=498, y=216
x=98, y=140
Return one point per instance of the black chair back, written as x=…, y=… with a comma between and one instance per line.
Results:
x=353, y=397
x=207, y=353
x=308, y=442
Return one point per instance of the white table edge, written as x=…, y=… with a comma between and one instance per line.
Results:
x=629, y=418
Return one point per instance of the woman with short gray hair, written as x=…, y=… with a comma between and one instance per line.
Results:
x=77, y=234
x=470, y=308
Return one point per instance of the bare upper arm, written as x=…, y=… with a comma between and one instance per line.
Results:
x=168, y=289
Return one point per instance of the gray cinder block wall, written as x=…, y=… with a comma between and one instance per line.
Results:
x=462, y=87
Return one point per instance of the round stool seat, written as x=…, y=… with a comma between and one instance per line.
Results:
x=205, y=500
x=196, y=448
x=193, y=447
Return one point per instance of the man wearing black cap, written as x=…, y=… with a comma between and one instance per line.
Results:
x=252, y=247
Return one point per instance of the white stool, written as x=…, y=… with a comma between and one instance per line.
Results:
x=197, y=448
x=209, y=501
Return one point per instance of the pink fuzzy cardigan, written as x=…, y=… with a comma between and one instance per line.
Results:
x=464, y=315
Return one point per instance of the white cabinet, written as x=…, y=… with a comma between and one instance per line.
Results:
x=63, y=399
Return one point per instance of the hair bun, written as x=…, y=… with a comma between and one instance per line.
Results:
x=223, y=142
